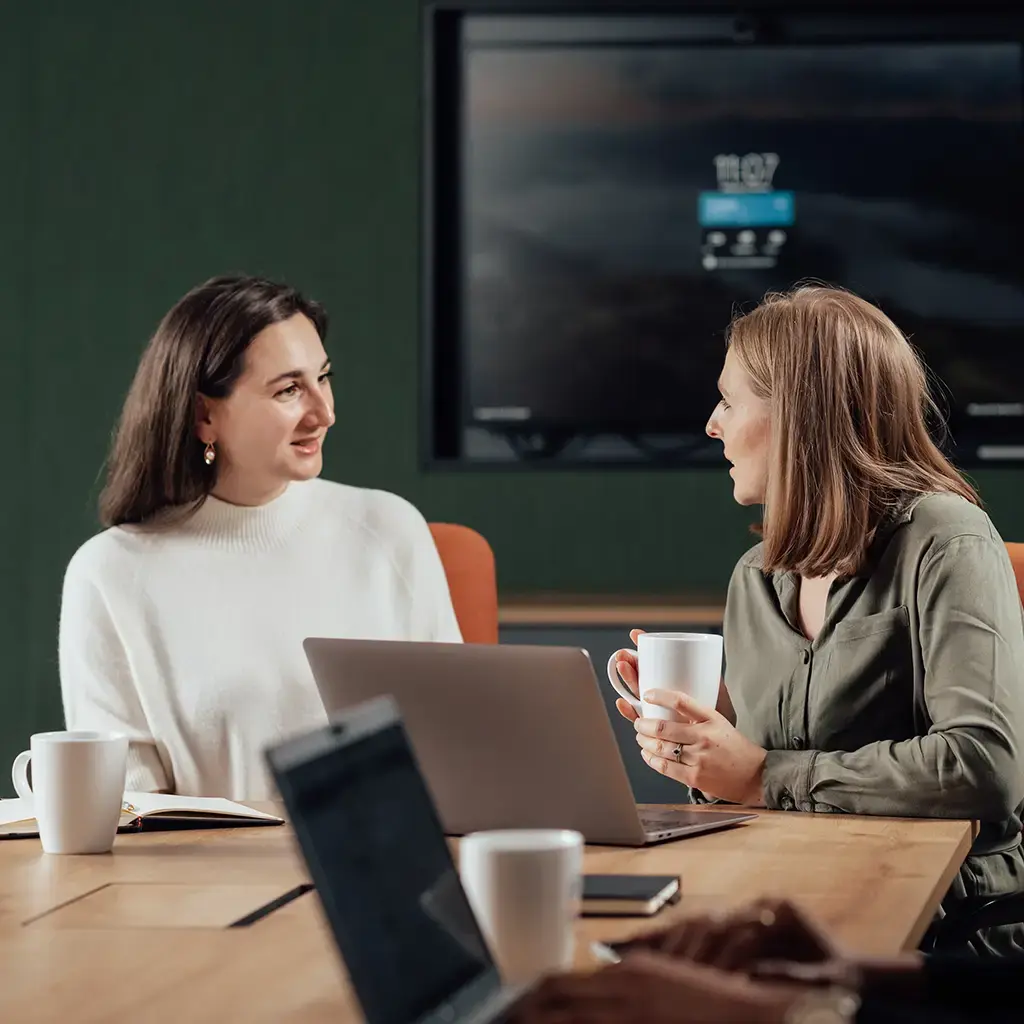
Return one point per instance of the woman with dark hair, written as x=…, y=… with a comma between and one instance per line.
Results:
x=874, y=646
x=182, y=623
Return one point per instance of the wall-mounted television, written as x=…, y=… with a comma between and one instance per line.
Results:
x=605, y=186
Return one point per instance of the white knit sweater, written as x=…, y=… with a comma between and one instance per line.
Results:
x=189, y=638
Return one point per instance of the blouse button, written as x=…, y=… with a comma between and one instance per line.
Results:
x=807, y=655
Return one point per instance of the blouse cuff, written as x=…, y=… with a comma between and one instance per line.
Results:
x=787, y=780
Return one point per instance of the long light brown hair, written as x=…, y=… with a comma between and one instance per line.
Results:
x=156, y=460
x=850, y=411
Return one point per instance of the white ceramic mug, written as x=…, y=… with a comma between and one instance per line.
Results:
x=77, y=788
x=524, y=887
x=688, y=662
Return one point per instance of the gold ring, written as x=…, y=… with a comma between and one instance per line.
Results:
x=677, y=753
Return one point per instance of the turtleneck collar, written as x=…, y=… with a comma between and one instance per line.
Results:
x=250, y=527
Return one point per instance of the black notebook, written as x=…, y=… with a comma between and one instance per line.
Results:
x=627, y=895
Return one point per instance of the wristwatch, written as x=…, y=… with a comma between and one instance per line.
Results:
x=832, y=1005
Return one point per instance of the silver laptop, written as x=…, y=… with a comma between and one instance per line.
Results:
x=507, y=736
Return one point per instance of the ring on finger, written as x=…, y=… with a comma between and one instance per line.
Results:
x=677, y=753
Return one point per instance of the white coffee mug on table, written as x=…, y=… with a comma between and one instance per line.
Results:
x=77, y=788
x=524, y=886
x=688, y=662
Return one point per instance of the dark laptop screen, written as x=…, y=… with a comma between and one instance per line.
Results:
x=381, y=865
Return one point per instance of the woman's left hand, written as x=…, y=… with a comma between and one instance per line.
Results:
x=713, y=756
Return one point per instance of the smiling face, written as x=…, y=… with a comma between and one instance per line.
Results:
x=269, y=431
x=742, y=422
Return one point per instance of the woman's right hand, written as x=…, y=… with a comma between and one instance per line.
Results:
x=627, y=666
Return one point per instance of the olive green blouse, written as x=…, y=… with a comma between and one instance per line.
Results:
x=910, y=701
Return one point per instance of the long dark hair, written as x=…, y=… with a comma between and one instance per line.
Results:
x=156, y=459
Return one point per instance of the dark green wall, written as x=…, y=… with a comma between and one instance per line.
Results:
x=145, y=147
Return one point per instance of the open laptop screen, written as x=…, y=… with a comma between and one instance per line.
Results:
x=381, y=865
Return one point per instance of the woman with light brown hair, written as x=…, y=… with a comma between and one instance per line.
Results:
x=874, y=644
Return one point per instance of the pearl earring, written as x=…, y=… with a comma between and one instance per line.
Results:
x=209, y=453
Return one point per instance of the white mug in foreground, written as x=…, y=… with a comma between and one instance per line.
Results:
x=688, y=662
x=524, y=887
x=77, y=788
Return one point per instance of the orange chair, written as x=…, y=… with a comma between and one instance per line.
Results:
x=1016, y=552
x=469, y=565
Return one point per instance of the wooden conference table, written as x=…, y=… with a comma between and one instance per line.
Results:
x=141, y=934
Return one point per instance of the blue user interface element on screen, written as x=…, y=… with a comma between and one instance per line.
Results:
x=749, y=210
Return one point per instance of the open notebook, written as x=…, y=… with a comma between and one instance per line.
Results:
x=148, y=811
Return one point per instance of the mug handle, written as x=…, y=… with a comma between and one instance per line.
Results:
x=619, y=686
x=19, y=774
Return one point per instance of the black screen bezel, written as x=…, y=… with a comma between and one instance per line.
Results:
x=375, y=722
